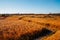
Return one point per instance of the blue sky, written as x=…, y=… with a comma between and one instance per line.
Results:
x=29, y=6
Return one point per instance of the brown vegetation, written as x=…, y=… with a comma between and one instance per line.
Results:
x=29, y=27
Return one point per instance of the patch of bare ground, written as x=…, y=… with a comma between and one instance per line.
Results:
x=55, y=36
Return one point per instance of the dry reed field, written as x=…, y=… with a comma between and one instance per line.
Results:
x=29, y=27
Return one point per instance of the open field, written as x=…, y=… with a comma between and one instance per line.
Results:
x=30, y=27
